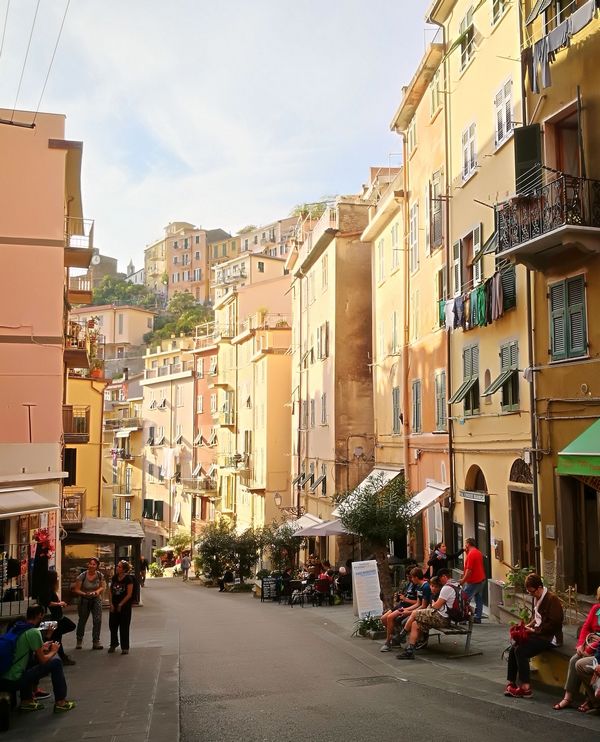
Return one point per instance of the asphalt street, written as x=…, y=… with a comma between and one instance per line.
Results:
x=213, y=667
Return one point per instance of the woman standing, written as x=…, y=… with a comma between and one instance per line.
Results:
x=90, y=586
x=54, y=606
x=121, y=593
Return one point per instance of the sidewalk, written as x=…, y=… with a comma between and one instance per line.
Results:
x=119, y=698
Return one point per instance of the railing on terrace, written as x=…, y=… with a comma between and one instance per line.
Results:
x=79, y=232
x=75, y=336
x=115, y=423
x=328, y=220
x=566, y=200
x=168, y=370
x=73, y=507
x=200, y=484
x=267, y=321
x=76, y=423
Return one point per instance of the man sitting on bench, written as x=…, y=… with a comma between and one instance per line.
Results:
x=436, y=617
x=401, y=613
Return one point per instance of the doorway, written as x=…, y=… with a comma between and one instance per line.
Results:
x=579, y=536
x=523, y=542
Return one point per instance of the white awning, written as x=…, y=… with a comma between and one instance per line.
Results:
x=426, y=497
x=386, y=476
x=328, y=528
x=125, y=432
x=304, y=521
x=16, y=501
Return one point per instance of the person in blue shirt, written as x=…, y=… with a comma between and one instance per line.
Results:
x=420, y=597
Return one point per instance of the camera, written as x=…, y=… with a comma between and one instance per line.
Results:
x=48, y=625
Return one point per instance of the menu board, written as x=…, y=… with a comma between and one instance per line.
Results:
x=366, y=589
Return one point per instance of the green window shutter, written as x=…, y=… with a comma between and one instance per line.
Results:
x=467, y=363
x=158, y=510
x=558, y=335
x=514, y=356
x=416, y=406
x=504, y=357
x=148, y=509
x=475, y=361
x=396, y=410
x=456, y=269
x=528, y=157
x=509, y=288
x=440, y=400
x=576, y=324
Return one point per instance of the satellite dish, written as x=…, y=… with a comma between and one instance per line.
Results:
x=96, y=260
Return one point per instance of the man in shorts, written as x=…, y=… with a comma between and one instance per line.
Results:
x=436, y=617
x=401, y=611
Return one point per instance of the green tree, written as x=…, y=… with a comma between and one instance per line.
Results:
x=113, y=290
x=182, y=316
x=313, y=210
x=380, y=513
x=180, y=542
x=247, y=548
x=280, y=544
x=216, y=547
x=247, y=228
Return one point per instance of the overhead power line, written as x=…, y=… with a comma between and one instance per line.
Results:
x=51, y=60
x=37, y=7
x=4, y=27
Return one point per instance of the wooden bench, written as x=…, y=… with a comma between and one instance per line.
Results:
x=455, y=629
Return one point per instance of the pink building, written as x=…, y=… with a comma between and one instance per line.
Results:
x=42, y=234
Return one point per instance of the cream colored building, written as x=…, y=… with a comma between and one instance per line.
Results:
x=489, y=401
x=155, y=269
x=251, y=389
x=168, y=412
x=271, y=239
x=332, y=392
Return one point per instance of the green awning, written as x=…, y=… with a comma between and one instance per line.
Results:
x=582, y=456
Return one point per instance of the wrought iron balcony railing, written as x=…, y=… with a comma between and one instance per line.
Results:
x=564, y=201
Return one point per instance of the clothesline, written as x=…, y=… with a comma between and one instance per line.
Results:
x=483, y=305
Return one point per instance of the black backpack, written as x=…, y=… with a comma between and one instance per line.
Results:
x=460, y=610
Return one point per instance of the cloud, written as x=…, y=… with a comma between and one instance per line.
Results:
x=218, y=113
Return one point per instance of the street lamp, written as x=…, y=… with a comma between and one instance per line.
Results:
x=296, y=510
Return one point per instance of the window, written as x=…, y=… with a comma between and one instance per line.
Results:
x=324, y=273
x=411, y=137
x=215, y=252
x=175, y=244
x=469, y=152
x=150, y=471
x=440, y=400
x=396, y=413
x=498, y=8
x=304, y=421
x=435, y=90
x=213, y=403
x=127, y=514
x=158, y=513
x=174, y=259
x=115, y=507
x=149, y=323
x=179, y=396
x=213, y=365
x=179, y=434
x=200, y=403
x=313, y=406
x=70, y=465
x=160, y=436
x=148, y=508
x=414, y=237
x=120, y=321
x=245, y=244
x=467, y=43
x=395, y=334
x=197, y=240
x=568, y=328
x=151, y=435
x=416, y=406
x=509, y=287
x=323, y=340
x=324, y=408
x=395, y=233
x=380, y=261
x=436, y=226
x=469, y=389
x=197, y=274
x=466, y=268
x=503, y=108
x=440, y=294
x=261, y=266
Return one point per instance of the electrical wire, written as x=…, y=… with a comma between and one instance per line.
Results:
x=51, y=61
x=37, y=7
x=4, y=28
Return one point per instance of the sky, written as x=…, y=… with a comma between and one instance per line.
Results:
x=221, y=113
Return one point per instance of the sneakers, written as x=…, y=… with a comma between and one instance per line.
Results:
x=421, y=644
x=402, y=637
x=97, y=645
x=66, y=660
x=386, y=648
x=405, y=655
x=31, y=706
x=63, y=707
x=40, y=695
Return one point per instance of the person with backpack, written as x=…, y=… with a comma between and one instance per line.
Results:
x=89, y=586
x=437, y=616
x=474, y=577
x=25, y=658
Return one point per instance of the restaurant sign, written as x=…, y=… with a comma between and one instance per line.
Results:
x=366, y=589
x=471, y=495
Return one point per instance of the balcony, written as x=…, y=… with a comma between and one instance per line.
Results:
x=201, y=485
x=321, y=234
x=116, y=423
x=72, y=511
x=561, y=217
x=79, y=291
x=227, y=419
x=76, y=423
x=79, y=242
x=122, y=454
x=77, y=346
x=169, y=370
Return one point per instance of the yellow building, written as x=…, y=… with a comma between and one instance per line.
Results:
x=552, y=226
x=83, y=452
x=486, y=309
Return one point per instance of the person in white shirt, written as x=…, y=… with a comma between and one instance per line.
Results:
x=434, y=617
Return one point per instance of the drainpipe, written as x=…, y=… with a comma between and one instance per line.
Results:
x=530, y=292
x=405, y=329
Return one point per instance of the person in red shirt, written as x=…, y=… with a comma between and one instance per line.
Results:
x=474, y=577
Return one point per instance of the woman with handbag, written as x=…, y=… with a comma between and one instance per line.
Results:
x=54, y=606
x=582, y=661
x=542, y=633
